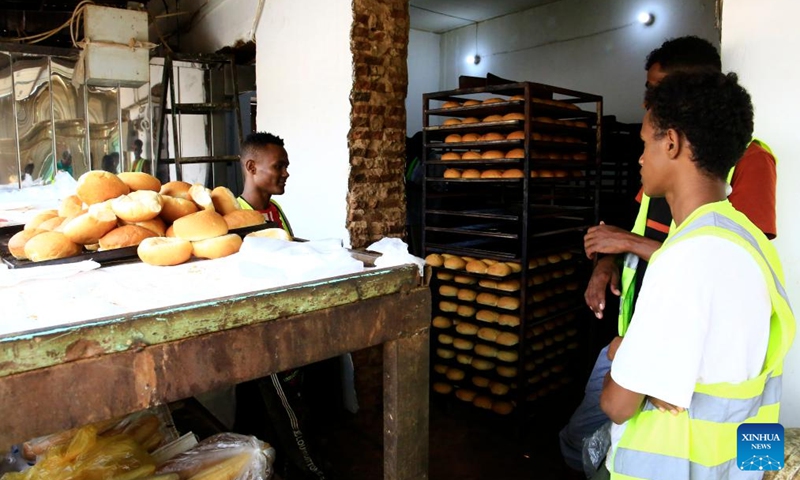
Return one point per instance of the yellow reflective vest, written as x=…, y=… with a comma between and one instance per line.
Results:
x=700, y=442
x=631, y=261
x=284, y=221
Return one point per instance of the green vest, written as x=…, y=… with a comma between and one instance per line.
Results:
x=631, y=261
x=284, y=221
x=138, y=165
x=700, y=442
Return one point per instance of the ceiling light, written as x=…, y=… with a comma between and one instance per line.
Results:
x=474, y=59
x=646, y=18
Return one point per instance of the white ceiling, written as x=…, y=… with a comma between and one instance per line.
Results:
x=439, y=16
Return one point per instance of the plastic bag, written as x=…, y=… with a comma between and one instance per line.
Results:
x=88, y=456
x=226, y=456
x=595, y=449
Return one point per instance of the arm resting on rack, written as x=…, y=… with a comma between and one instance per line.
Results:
x=614, y=240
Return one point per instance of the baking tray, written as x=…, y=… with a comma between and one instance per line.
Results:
x=104, y=258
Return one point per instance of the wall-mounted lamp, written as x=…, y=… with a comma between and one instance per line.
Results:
x=646, y=18
x=474, y=59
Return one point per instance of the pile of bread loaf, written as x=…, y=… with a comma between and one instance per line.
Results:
x=168, y=223
x=514, y=98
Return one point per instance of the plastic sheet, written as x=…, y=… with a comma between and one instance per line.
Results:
x=226, y=456
x=595, y=449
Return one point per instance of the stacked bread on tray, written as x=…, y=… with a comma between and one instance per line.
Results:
x=168, y=223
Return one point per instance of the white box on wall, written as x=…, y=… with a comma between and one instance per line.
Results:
x=111, y=57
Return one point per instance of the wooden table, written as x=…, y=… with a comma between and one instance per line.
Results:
x=63, y=378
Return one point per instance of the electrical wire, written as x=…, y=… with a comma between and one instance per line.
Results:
x=75, y=17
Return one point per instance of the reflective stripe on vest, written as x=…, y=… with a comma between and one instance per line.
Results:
x=631, y=261
x=700, y=442
x=138, y=165
x=284, y=221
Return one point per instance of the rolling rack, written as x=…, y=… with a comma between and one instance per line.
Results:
x=511, y=185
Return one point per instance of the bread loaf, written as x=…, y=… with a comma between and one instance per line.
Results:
x=492, y=154
x=455, y=263
x=434, y=260
x=499, y=270
x=448, y=306
x=124, y=236
x=273, y=233
x=487, y=283
x=177, y=189
x=492, y=136
x=464, y=279
x=173, y=208
x=514, y=116
x=470, y=137
x=471, y=173
x=482, y=382
x=201, y=196
x=452, y=138
x=513, y=173
x=50, y=246
x=242, y=218
x=482, y=364
x=485, y=350
x=451, y=104
x=442, y=388
x=502, y=408
x=470, y=103
x=465, y=395
x=485, y=298
x=441, y=322
x=224, y=201
x=87, y=228
x=452, y=173
x=140, y=181
x=493, y=118
x=462, y=344
x=509, y=285
x=508, y=320
x=96, y=186
x=162, y=251
x=455, y=374
x=40, y=217
x=506, y=371
x=466, y=295
x=493, y=100
x=451, y=156
x=50, y=224
x=137, y=206
x=448, y=291
x=476, y=266
x=465, y=328
x=499, y=388
x=463, y=358
x=491, y=173
x=518, y=135
x=452, y=121
x=155, y=225
x=200, y=225
x=471, y=155
x=70, y=206
x=444, y=276
x=483, y=402
x=508, y=339
x=516, y=153
x=465, y=311
x=16, y=244
x=507, y=356
x=488, y=334
x=444, y=339
x=469, y=120
x=217, y=247
x=445, y=353
x=488, y=316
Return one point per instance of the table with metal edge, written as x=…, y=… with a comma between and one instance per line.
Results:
x=61, y=378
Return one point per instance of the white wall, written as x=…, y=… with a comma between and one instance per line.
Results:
x=757, y=37
x=424, y=69
x=304, y=76
x=595, y=47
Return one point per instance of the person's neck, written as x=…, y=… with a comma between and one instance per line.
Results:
x=257, y=199
x=692, y=194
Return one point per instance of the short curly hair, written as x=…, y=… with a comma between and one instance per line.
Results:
x=258, y=140
x=711, y=110
x=685, y=53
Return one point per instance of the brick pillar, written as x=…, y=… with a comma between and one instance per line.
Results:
x=376, y=195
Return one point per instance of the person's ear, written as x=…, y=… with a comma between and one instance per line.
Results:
x=250, y=166
x=674, y=143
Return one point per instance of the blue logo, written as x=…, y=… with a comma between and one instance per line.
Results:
x=759, y=446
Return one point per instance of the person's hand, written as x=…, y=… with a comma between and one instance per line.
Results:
x=613, y=347
x=663, y=406
x=605, y=275
x=606, y=239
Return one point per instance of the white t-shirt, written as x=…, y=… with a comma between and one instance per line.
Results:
x=702, y=316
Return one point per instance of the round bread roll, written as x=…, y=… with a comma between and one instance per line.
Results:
x=487, y=316
x=16, y=244
x=466, y=295
x=493, y=100
x=445, y=339
x=201, y=196
x=513, y=173
x=491, y=173
x=200, y=226
x=50, y=224
x=464, y=279
x=507, y=356
x=452, y=121
x=87, y=228
x=508, y=303
x=97, y=186
x=452, y=173
x=492, y=136
x=508, y=339
x=137, y=206
x=471, y=173
x=462, y=344
x=162, y=251
x=217, y=247
x=476, y=266
x=509, y=285
x=508, y=320
x=465, y=328
x=446, y=306
x=492, y=154
x=452, y=138
x=482, y=364
x=463, y=358
x=224, y=200
x=177, y=189
x=451, y=104
x=243, y=218
x=479, y=381
x=455, y=263
x=442, y=388
x=499, y=270
x=445, y=353
x=514, y=116
x=455, y=374
x=155, y=225
x=70, y=206
x=502, y=408
x=140, y=181
x=516, y=153
x=124, y=236
x=499, y=388
x=488, y=334
x=451, y=156
x=483, y=402
x=487, y=283
x=514, y=266
x=465, y=395
x=50, y=246
x=448, y=291
x=173, y=208
x=506, y=371
x=444, y=276
x=554, y=258
x=40, y=217
x=546, y=174
x=471, y=137
x=485, y=350
x=471, y=155
x=517, y=135
x=470, y=120
x=170, y=232
x=566, y=255
x=439, y=368
x=485, y=298
x=441, y=322
x=470, y=103
x=465, y=311
x=493, y=118
x=434, y=260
